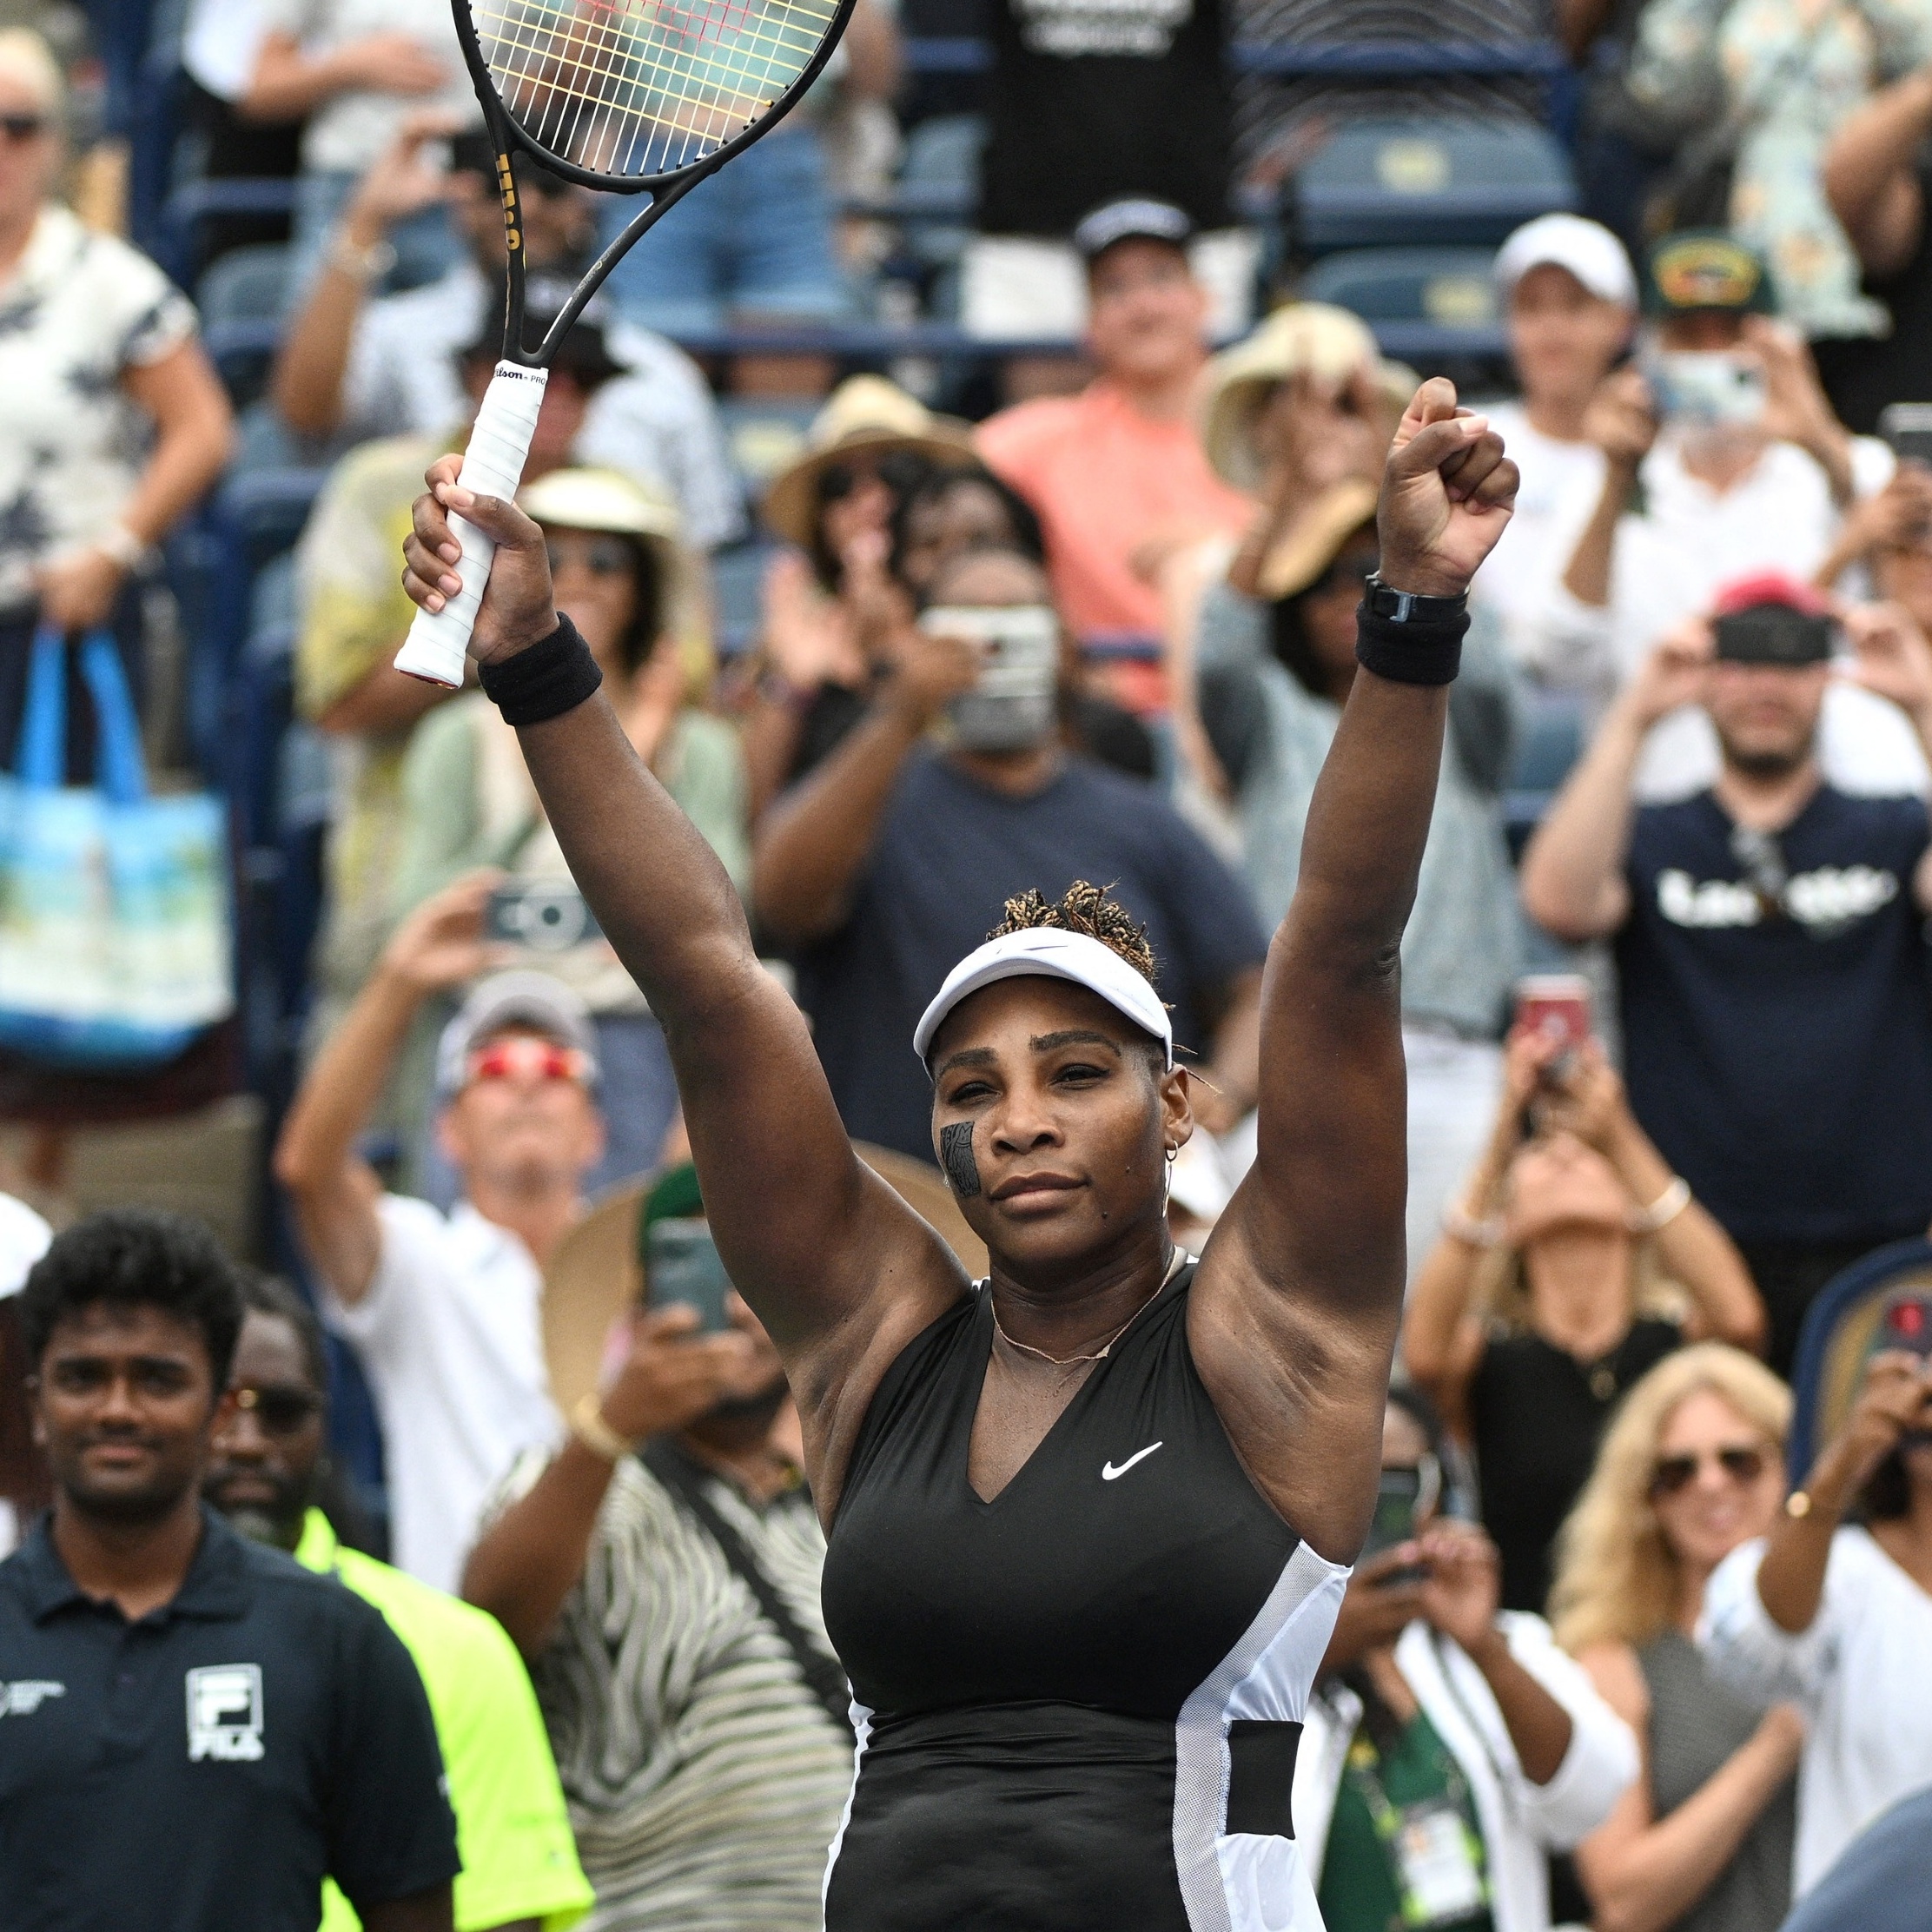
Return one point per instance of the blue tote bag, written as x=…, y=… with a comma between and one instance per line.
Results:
x=115, y=912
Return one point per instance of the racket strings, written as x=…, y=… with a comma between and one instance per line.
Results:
x=644, y=87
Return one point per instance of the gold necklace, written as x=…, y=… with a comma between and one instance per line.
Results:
x=1074, y=1361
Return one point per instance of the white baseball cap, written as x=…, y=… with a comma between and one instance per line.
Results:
x=1053, y=954
x=1587, y=249
x=515, y=998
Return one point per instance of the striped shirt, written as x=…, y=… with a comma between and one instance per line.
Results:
x=704, y=1778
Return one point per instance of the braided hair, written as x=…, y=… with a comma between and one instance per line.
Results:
x=1083, y=909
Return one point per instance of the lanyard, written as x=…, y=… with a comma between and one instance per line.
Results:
x=1434, y=1855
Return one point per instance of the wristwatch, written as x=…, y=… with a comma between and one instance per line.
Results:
x=1405, y=607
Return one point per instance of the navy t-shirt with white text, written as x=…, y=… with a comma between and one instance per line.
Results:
x=1781, y=1058
x=949, y=853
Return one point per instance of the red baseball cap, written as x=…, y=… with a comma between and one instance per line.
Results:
x=1768, y=587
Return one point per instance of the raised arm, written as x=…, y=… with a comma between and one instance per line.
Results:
x=1302, y=1283
x=1573, y=877
x=841, y=1272
x=527, y=1562
x=1443, y=1335
x=314, y=359
x=1694, y=1251
x=814, y=842
x=1871, y=177
x=332, y=1188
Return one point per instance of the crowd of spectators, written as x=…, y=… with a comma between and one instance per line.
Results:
x=1638, y=1640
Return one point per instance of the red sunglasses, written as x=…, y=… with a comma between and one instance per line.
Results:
x=527, y=1059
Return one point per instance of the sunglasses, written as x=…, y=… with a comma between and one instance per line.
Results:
x=528, y=1059
x=1675, y=1474
x=282, y=1410
x=22, y=127
x=605, y=557
x=837, y=480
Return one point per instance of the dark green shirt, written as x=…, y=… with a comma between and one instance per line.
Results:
x=1360, y=1888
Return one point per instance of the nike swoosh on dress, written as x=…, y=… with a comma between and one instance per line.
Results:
x=1109, y=1474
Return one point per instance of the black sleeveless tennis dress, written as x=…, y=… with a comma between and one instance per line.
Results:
x=1078, y=1704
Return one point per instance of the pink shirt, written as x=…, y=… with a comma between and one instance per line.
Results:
x=1104, y=478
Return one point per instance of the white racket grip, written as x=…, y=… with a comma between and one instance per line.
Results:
x=438, y=641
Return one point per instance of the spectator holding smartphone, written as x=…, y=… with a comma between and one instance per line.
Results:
x=1448, y=1748
x=1769, y=936
x=660, y=1573
x=1721, y=458
x=444, y=1311
x=1837, y=1615
x=1692, y=1467
x=1575, y=1262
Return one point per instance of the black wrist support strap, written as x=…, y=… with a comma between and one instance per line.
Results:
x=544, y=682
x=1410, y=653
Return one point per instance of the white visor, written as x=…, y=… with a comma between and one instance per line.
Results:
x=1052, y=955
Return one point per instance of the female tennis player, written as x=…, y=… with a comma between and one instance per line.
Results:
x=1089, y=1521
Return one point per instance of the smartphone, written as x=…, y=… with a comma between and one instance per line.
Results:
x=1907, y=1324
x=1710, y=389
x=1012, y=704
x=543, y=918
x=681, y=1264
x=1403, y=1498
x=1907, y=427
x=1555, y=1007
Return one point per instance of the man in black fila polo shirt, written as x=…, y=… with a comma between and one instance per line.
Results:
x=194, y=1731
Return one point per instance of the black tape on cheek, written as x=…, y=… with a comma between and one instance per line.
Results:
x=956, y=1153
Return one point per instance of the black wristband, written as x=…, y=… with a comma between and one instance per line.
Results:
x=1410, y=653
x=544, y=682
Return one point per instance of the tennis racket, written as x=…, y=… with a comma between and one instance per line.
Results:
x=638, y=96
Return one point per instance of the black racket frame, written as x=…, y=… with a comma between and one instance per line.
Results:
x=665, y=190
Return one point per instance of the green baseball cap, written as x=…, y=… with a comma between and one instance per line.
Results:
x=1700, y=270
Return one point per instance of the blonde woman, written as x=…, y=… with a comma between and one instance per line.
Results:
x=1576, y=1261
x=1692, y=1467
x=112, y=421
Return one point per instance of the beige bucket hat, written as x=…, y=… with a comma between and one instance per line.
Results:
x=627, y=505
x=864, y=412
x=594, y=1276
x=1303, y=339
x=1302, y=553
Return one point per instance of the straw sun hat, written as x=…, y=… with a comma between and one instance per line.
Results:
x=868, y=413
x=611, y=502
x=594, y=1279
x=1304, y=339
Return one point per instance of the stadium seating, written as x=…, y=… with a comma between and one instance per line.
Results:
x=1425, y=305
x=243, y=298
x=1427, y=183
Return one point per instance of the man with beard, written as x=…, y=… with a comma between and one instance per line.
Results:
x=660, y=1575
x=194, y=1732
x=519, y=1867
x=1770, y=937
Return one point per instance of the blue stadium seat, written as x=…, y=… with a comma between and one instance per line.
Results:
x=1555, y=730
x=178, y=228
x=1425, y=305
x=738, y=574
x=243, y=299
x=1431, y=183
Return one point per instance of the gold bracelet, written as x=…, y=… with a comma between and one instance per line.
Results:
x=588, y=1426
